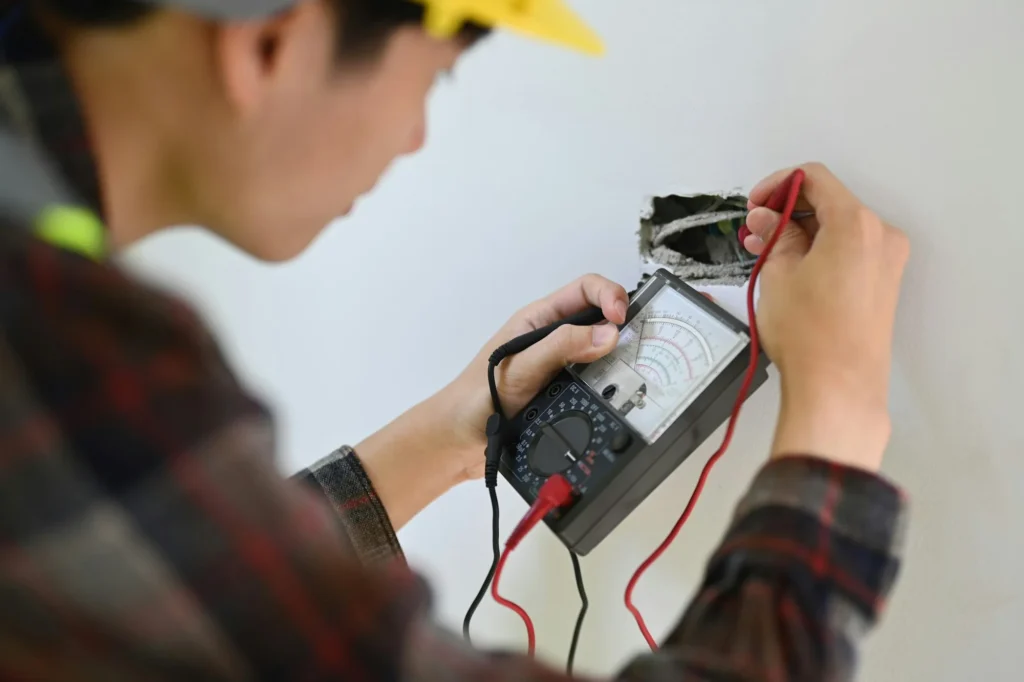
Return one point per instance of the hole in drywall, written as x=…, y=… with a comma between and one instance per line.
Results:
x=700, y=246
x=697, y=237
x=674, y=207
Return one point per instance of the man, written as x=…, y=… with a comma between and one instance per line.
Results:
x=144, y=532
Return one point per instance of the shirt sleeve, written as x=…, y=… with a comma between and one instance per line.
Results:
x=147, y=533
x=801, y=575
x=343, y=482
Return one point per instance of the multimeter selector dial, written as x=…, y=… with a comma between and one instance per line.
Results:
x=560, y=443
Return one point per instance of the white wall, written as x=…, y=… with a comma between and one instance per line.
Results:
x=537, y=165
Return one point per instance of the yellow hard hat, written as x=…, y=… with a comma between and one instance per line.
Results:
x=550, y=20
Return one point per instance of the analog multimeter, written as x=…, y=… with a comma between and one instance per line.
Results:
x=616, y=428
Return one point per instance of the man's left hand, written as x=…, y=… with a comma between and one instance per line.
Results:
x=522, y=376
x=441, y=442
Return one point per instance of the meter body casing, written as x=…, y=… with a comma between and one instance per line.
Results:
x=617, y=468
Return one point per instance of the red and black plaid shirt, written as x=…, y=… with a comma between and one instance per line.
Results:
x=145, y=533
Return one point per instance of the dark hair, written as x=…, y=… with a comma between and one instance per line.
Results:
x=364, y=24
x=98, y=12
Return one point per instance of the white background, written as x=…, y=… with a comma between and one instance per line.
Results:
x=535, y=172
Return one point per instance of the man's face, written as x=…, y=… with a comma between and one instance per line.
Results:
x=318, y=133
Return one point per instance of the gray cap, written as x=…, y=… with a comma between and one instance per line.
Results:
x=229, y=9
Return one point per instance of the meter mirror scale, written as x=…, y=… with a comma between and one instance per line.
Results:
x=665, y=357
x=618, y=427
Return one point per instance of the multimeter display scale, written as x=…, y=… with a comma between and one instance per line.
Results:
x=619, y=427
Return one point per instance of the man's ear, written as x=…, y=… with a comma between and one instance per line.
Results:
x=253, y=56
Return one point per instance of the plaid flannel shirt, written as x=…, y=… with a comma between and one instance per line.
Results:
x=145, y=533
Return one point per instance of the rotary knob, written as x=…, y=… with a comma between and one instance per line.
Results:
x=561, y=442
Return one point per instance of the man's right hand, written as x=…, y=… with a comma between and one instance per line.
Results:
x=829, y=293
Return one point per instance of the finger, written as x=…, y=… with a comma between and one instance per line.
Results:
x=764, y=189
x=763, y=223
x=822, y=191
x=535, y=366
x=754, y=245
x=587, y=291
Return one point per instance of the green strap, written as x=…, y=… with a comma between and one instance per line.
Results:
x=31, y=193
x=73, y=228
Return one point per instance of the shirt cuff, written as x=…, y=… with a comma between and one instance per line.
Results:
x=343, y=481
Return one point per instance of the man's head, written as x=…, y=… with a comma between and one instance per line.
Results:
x=261, y=119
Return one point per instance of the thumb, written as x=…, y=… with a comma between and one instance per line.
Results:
x=566, y=345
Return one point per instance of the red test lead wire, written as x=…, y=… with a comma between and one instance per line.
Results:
x=783, y=200
x=555, y=493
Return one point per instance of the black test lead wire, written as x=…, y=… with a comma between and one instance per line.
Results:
x=495, y=432
x=584, y=605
